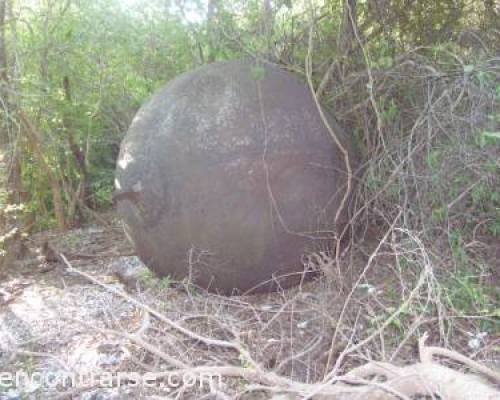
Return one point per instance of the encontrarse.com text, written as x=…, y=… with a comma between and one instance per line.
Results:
x=107, y=379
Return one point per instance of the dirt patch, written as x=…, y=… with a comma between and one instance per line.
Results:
x=58, y=321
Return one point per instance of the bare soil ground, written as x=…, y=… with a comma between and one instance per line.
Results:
x=54, y=321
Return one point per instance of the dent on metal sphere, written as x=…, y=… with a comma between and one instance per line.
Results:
x=228, y=176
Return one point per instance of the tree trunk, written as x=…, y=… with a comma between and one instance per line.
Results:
x=491, y=15
x=79, y=196
x=268, y=25
x=7, y=138
x=213, y=9
x=3, y=46
x=347, y=36
x=35, y=142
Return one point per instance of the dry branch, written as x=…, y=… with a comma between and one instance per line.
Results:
x=372, y=381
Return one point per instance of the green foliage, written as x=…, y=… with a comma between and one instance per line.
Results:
x=90, y=66
x=434, y=158
x=165, y=282
x=466, y=294
x=150, y=279
x=102, y=188
x=457, y=248
x=489, y=138
x=390, y=112
x=82, y=69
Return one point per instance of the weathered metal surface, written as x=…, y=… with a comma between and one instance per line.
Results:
x=228, y=176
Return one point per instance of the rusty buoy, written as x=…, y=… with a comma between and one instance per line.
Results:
x=229, y=176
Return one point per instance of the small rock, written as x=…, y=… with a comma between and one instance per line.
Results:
x=303, y=324
x=129, y=271
x=284, y=396
x=477, y=340
x=108, y=348
x=11, y=394
x=102, y=395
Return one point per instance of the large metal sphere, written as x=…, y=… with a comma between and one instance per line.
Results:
x=229, y=176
